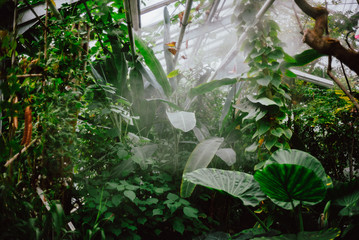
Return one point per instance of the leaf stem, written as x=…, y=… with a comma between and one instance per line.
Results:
x=301, y=227
x=257, y=218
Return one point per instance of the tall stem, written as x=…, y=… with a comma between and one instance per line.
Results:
x=301, y=227
x=257, y=218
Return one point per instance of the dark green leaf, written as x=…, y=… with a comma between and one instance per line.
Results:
x=207, y=87
x=178, y=226
x=190, y=212
x=289, y=182
x=154, y=65
x=303, y=58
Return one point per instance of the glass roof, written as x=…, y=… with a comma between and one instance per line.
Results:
x=206, y=43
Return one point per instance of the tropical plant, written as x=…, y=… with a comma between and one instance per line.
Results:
x=290, y=179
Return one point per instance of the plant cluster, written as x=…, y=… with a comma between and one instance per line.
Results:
x=98, y=141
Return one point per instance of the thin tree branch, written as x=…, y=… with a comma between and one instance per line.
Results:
x=346, y=78
x=336, y=80
x=346, y=39
x=299, y=23
x=96, y=31
x=37, y=16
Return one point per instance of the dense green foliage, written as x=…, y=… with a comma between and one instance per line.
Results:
x=97, y=141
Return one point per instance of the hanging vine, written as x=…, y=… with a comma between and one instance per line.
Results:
x=263, y=111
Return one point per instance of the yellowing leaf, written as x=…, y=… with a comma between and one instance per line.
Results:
x=171, y=44
x=174, y=73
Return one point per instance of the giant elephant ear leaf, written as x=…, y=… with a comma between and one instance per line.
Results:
x=291, y=177
x=201, y=156
x=304, y=159
x=286, y=183
x=238, y=184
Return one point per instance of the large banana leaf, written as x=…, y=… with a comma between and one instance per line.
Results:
x=185, y=121
x=148, y=75
x=201, y=156
x=171, y=104
x=207, y=87
x=119, y=61
x=154, y=65
x=238, y=184
x=228, y=155
x=141, y=107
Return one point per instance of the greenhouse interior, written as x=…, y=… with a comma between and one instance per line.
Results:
x=179, y=119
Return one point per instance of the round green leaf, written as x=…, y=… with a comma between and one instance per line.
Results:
x=289, y=182
x=238, y=184
x=303, y=159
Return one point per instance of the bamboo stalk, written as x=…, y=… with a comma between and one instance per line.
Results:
x=184, y=25
x=29, y=75
x=8, y=162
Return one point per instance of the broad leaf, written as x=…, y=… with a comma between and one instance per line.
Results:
x=207, y=87
x=148, y=75
x=171, y=104
x=263, y=101
x=238, y=184
x=291, y=183
x=185, y=121
x=201, y=156
x=349, y=198
x=303, y=159
x=228, y=155
x=302, y=59
x=117, y=65
x=154, y=65
x=227, y=105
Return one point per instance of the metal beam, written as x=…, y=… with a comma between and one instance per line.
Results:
x=313, y=79
x=199, y=31
x=156, y=6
